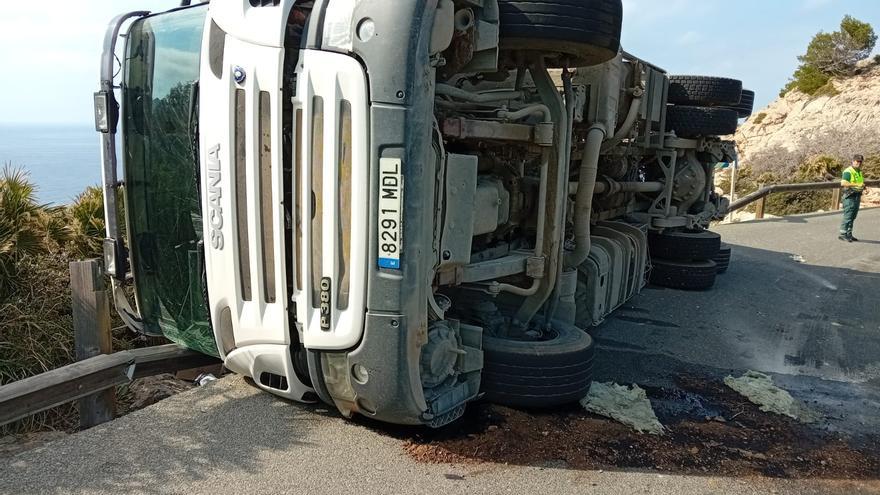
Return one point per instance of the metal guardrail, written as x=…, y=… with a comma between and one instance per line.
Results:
x=90, y=376
x=765, y=191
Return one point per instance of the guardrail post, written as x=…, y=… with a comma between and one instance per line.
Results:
x=835, y=199
x=91, y=334
x=759, y=208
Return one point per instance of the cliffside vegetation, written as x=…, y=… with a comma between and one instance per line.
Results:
x=825, y=114
x=818, y=169
x=37, y=242
x=830, y=55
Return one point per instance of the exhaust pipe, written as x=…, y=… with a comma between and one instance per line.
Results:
x=583, y=203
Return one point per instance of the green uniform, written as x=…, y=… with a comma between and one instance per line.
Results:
x=852, y=198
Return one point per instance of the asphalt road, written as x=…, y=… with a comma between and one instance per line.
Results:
x=815, y=325
x=796, y=303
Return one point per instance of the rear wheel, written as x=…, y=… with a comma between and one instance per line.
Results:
x=746, y=104
x=685, y=275
x=574, y=32
x=686, y=245
x=704, y=91
x=722, y=259
x=555, y=370
x=692, y=122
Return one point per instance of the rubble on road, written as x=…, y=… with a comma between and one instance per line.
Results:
x=749, y=442
x=760, y=390
x=628, y=405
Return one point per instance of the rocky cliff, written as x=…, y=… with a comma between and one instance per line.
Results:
x=797, y=126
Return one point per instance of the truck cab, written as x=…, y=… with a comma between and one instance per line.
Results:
x=400, y=207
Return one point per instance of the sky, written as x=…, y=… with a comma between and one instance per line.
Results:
x=51, y=48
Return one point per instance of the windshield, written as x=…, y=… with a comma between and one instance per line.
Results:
x=161, y=175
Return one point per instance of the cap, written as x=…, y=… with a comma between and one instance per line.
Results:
x=858, y=158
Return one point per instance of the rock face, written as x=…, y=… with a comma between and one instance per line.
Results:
x=798, y=126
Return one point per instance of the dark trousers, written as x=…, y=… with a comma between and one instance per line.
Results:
x=851, y=204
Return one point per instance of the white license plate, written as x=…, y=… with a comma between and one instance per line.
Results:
x=390, y=204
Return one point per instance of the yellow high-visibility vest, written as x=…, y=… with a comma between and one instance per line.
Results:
x=855, y=177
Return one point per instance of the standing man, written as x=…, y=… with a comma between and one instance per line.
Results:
x=853, y=185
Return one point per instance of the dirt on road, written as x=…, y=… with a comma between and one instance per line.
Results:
x=710, y=430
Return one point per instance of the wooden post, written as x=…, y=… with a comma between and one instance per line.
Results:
x=759, y=208
x=732, y=187
x=835, y=199
x=91, y=334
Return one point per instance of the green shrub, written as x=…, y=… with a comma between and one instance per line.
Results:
x=808, y=79
x=37, y=243
x=759, y=118
x=829, y=89
x=818, y=169
x=87, y=223
x=26, y=227
x=871, y=167
x=832, y=54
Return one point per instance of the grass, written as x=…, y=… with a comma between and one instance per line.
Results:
x=37, y=243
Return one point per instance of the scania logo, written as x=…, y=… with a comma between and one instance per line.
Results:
x=215, y=194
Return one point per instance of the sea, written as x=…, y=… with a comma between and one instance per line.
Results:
x=62, y=160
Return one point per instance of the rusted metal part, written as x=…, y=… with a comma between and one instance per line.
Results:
x=462, y=128
x=460, y=52
x=610, y=186
x=556, y=195
x=498, y=268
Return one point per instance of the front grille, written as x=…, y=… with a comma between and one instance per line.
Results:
x=343, y=207
x=331, y=179
x=241, y=195
x=266, y=203
x=317, y=209
x=297, y=197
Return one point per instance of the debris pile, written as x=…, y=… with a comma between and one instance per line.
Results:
x=760, y=390
x=629, y=405
x=716, y=431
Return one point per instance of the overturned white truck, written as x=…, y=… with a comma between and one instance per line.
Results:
x=401, y=207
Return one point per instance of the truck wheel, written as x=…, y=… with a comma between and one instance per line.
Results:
x=686, y=245
x=685, y=275
x=746, y=104
x=704, y=91
x=538, y=374
x=722, y=259
x=692, y=122
x=579, y=32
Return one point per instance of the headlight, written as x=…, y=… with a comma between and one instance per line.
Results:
x=337, y=24
x=106, y=112
x=115, y=262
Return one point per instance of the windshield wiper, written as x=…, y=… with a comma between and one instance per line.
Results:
x=192, y=128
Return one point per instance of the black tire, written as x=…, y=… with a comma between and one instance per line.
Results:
x=538, y=374
x=746, y=104
x=687, y=245
x=581, y=32
x=684, y=275
x=704, y=91
x=722, y=259
x=692, y=122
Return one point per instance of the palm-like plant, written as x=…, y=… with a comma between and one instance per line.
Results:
x=87, y=215
x=27, y=228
